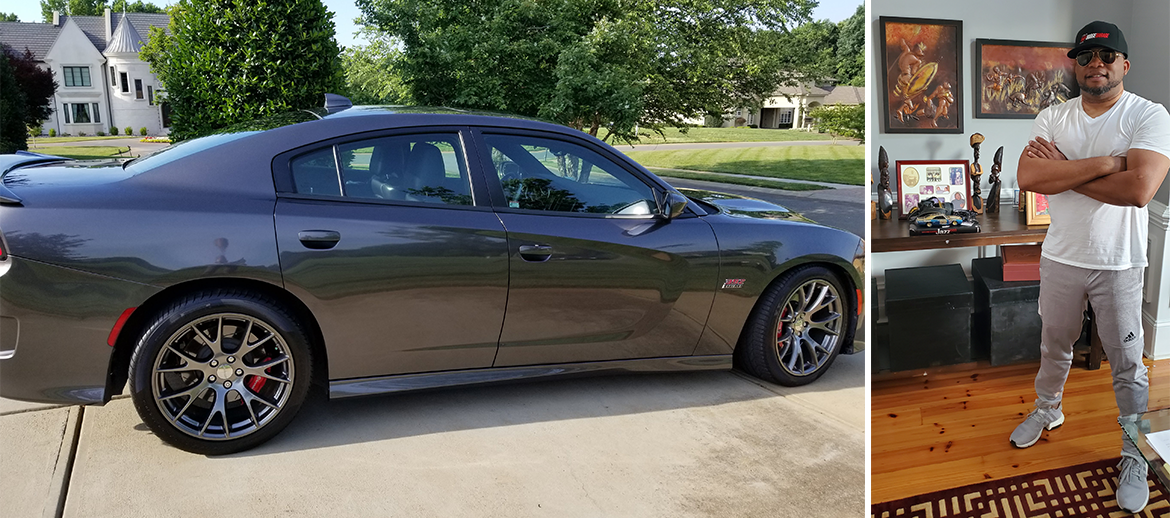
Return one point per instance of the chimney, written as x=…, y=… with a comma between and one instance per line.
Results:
x=108, y=26
x=56, y=18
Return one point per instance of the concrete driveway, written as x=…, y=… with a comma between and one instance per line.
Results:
x=679, y=444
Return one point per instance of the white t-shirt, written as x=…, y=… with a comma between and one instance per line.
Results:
x=1087, y=233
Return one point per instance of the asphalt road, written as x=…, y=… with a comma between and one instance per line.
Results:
x=826, y=208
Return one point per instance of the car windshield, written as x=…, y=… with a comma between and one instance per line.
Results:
x=222, y=136
x=182, y=149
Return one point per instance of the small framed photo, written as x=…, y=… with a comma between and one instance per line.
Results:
x=1017, y=79
x=922, y=74
x=920, y=180
x=1036, y=211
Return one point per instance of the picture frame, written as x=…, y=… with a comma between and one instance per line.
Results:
x=922, y=75
x=1036, y=209
x=918, y=180
x=1016, y=79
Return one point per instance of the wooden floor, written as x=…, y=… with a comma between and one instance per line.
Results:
x=946, y=430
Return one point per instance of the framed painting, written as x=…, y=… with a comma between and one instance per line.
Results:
x=922, y=72
x=947, y=180
x=1036, y=211
x=1017, y=79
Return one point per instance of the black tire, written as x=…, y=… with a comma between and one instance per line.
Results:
x=223, y=346
x=791, y=338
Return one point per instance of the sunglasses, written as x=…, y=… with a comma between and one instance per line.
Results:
x=1107, y=56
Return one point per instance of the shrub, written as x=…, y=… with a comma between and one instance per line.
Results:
x=113, y=130
x=841, y=120
x=52, y=132
x=201, y=58
x=81, y=134
x=142, y=131
x=101, y=133
x=129, y=130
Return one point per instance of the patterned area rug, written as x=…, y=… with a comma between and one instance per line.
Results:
x=1080, y=491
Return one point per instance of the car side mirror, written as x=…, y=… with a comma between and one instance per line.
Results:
x=674, y=204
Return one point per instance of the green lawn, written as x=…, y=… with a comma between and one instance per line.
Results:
x=84, y=152
x=693, y=135
x=58, y=140
x=737, y=180
x=835, y=164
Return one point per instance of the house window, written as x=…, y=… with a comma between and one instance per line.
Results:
x=165, y=108
x=125, y=84
x=137, y=88
x=150, y=94
x=113, y=78
x=66, y=112
x=97, y=116
x=80, y=113
x=76, y=76
x=786, y=116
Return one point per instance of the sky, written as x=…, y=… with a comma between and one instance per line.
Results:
x=345, y=11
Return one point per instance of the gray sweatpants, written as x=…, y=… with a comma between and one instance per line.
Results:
x=1117, y=304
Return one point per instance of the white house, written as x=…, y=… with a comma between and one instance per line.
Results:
x=101, y=82
x=789, y=106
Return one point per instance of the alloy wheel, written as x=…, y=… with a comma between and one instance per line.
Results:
x=222, y=376
x=809, y=327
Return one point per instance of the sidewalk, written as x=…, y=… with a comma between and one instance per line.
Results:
x=678, y=444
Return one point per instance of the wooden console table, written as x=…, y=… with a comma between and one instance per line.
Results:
x=1004, y=228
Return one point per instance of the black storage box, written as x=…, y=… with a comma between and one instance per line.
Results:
x=1007, y=320
x=929, y=313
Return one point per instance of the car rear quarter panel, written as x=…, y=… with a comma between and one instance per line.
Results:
x=759, y=251
x=89, y=243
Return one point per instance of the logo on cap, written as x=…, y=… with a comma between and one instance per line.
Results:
x=1092, y=35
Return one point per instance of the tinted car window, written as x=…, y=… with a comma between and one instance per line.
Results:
x=420, y=168
x=316, y=173
x=553, y=175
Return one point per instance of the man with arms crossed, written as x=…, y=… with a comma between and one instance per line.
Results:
x=1100, y=158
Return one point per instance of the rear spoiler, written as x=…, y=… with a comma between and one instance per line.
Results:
x=23, y=158
x=20, y=159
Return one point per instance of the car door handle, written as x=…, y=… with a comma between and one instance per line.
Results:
x=319, y=239
x=535, y=253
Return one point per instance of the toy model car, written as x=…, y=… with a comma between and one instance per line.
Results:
x=934, y=216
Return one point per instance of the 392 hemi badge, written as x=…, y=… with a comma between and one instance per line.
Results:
x=733, y=283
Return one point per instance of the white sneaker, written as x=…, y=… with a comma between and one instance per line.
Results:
x=1133, y=492
x=1028, y=432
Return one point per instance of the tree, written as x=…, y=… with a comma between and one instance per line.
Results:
x=841, y=120
x=13, y=136
x=811, y=48
x=589, y=63
x=35, y=83
x=371, y=73
x=229, y=62
x=9, y=17
x=72, y=8
x=135, y=7
x=851, y=49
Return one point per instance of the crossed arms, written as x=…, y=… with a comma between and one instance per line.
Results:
x=1124, y=181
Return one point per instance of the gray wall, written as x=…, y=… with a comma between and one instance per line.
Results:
x=1145, y=25
x=1143, y=21
x=1150, y=61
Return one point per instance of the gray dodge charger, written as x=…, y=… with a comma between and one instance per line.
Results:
x=368, y=250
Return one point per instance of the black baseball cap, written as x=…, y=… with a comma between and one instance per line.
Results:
x=1099, y=34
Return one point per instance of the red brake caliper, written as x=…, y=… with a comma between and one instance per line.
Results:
x=780, y=324
x=257, y=383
